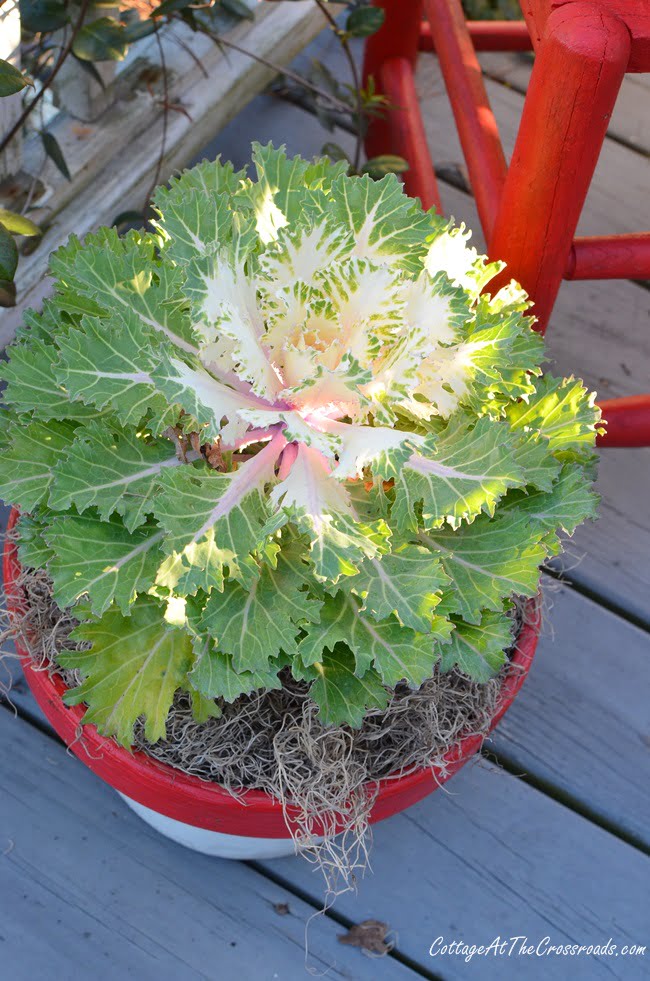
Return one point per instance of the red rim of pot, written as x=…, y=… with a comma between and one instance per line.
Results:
x=205, y=804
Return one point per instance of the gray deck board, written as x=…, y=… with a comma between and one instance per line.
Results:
x=88, y=890
x=619, y=196
x=489, y=856
x=581, y=723
x=493, y=857
x=629, y=122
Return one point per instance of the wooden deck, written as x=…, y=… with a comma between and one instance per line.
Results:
x=554, y=842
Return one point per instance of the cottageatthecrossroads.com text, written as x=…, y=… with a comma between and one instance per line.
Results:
x=523, y=947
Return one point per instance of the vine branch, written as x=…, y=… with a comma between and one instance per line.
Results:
x=65, y=51
x=345, y=44
x=341, y=106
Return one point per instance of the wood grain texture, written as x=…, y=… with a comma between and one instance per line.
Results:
x=87, y=889
x=629, y=122
x=491, y=858
x=581, y=723
x=113, y=160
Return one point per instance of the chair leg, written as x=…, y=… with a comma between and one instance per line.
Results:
x=407, y=134
x=578, y=70
x=398, y=37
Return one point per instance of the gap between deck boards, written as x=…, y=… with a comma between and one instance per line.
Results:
x=156, y=909
x=582, y=712
x=459, y=837
x=403, y=966
x=504, y=748
x=264, y=118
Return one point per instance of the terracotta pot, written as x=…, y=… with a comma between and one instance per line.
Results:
x=202, y=814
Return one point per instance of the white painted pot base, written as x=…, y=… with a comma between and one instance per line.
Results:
x=214, y=843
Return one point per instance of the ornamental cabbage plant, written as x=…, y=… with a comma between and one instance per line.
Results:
x=287, y=430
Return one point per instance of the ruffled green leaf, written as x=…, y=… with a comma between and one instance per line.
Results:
x=32, y=385
x=478, y=649
x=496, y=375
x=532, y=453
x=108, y=365
x=214, y=676
x=458, y=474
x=214, y=519
x=254, y=625
x=570, y=502
x=397, y=652
x=203, y=566
x=407, y=582
x=122, y=277
x=487, y=561
x=195, y=213
x=133, y=668
x=505, y=352
x=27, y=463
x=45, y=324
x=282, y=187
x=33, y=553
x=195, y=223
x=102, y=559
x=562, y=411
x=343, y=698
x=203, y=708
x=113, y=471
x=386, y=225
x=210, y=177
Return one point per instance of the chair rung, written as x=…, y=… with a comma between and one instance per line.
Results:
x=627, y=421
x=490, y=35
x=610, y=257
x=477, y=127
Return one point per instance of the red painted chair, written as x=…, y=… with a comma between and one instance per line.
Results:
x=529, y=209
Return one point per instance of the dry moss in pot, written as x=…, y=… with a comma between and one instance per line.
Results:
x=283, y=455
x=330, y=781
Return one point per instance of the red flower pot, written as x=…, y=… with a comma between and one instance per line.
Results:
x=185, y=807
